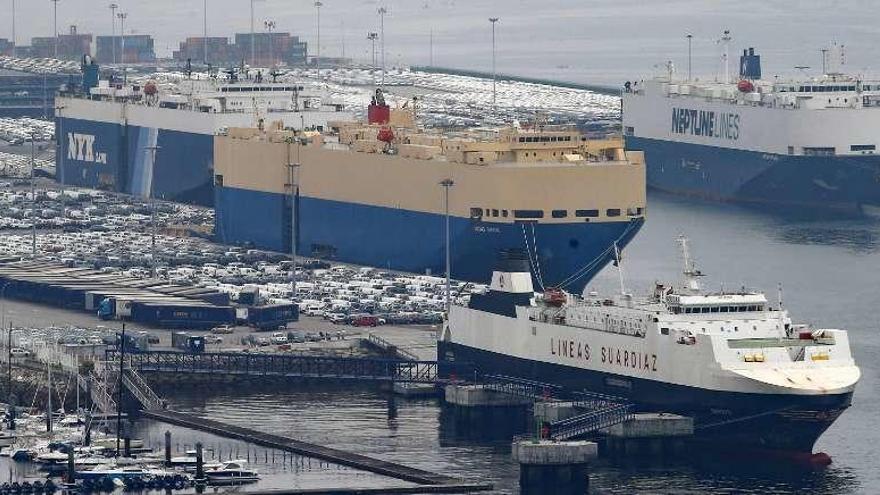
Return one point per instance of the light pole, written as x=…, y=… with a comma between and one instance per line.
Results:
x=55, y=24
x=122, y=16
x=447, y=183
x=270, y=26
x=253, y=37
x=294, y=192
x=690, y=38
x=205, y=33
x=113, y=8
x=33, y=200
x=373, y=37
x=14, y=46
x=382, y=12
x=59, y=163
x=152, y=151
x=318, y=6
x=493, y=20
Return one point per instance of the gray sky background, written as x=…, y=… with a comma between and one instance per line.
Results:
x=598, y=41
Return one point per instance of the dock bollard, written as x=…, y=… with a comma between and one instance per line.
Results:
x=167, y=448
x=200, y=464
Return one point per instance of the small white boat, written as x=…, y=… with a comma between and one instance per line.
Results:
x=231, y=472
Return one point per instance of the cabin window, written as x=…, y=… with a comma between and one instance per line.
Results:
x=743, y=308
x=664, y=331
x=715, y=309
x=528, y=213
x=687, y=310
x=476, y=212
x=218, y=180
x=504, y=213
x=494, y=212
x=559, y=213
x=612, y=212
x=704, y=310
x=862, y=147
x=586, y=213
x=725, y=309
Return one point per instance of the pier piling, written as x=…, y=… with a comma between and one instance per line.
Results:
x=558, y=467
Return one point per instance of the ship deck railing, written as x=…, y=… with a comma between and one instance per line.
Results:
x=759, y=343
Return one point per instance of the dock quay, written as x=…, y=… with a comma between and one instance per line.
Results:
x=335, y=456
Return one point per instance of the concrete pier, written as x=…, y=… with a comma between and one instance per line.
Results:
x=649, y=434
x=549, y=412
x=479, y=396
x=554, y=467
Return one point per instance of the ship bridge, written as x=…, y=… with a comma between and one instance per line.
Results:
x=716, y=303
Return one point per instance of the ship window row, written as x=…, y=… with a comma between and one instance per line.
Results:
x=537, y=214
x=718, y=309
x=825, y=89
x=862, y=147
x=543, y=139
x=248, y=89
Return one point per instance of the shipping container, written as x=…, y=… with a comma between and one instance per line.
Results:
x=271, y=317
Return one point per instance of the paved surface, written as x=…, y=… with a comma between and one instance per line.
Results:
x=417, y=339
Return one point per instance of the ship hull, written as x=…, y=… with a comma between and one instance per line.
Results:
x=413, y=241
x=118, y=158
x=842, y=182
x=772, y=423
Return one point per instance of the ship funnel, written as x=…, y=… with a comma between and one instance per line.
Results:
x=750, y=65
x=511, y=286
x=512, y=273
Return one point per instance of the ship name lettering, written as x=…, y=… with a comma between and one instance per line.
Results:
x=627, y=358
x=570, y=349
x=718, y=125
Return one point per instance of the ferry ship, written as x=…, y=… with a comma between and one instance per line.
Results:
x=157, y=140
x=803, y=143
x=748, y=375
x=373, y=193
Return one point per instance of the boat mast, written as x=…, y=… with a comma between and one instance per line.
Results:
x=691, y=274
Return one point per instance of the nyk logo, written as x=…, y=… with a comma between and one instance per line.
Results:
x=81, y=147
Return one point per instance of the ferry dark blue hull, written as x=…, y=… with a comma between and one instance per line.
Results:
x=841, y=182
x=118, y=158
x=761, y=422
x=568, y=254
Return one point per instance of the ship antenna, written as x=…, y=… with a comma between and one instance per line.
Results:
x=617, y=262
x=779, y=295
x=691, y=274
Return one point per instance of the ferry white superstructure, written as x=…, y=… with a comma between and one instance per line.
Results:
x=737, y=364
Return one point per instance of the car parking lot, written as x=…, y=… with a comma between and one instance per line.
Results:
x=115, y=234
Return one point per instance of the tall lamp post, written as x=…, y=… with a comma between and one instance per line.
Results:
x=382, y=12
x=13, y=29
x=113, y=8
x=447, y=183
x=292, y=167
x=55, y=24
x=122, y=16
x=33, y=199
x=373, y=37
x=253, y=37
x=205, y=33
x=493, y=20
x=318, y=6
x=270, y=26
x=690, y=38
x=152, y=151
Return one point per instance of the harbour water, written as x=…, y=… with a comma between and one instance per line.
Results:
x=828, y=268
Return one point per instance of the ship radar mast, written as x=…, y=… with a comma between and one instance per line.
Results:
x=691, y=274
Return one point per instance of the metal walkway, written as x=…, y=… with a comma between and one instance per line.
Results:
x=335, y=456
x=601, y=411
x=280, y=365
